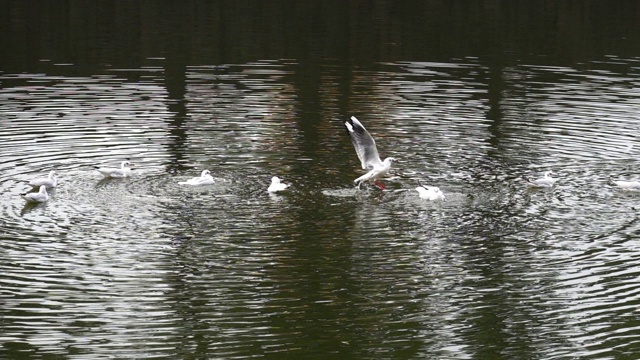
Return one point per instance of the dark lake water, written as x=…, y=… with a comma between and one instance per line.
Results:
x=472, y=97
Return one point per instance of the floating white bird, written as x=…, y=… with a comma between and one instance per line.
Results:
x=367, y=153
x=546, y=182
x=276, y=185
x=122, y=172
x=204, y=179
x=49, y=182
x=430, y=193
x=37, y=197
x=628, y=185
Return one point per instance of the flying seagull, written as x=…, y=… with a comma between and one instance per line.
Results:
x=367, y=153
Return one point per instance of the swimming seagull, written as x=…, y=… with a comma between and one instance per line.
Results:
x=122, y=172
x=37, y=197
x=367, y=153
x=430, y=193
x=545, y=182
x=49, y=182
x=628, y=185
x=276, y=185
x=204, y=179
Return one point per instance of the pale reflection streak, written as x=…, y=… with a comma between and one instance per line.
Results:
x=240, y=123
x=576, y=117
x=579, y=124
x=75, y=247
x=244, y=111
x=543, y=267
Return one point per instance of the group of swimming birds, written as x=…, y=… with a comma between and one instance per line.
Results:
x=366, y=150
x=124, y=171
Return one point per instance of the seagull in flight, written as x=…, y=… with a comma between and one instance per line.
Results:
x=367, y=153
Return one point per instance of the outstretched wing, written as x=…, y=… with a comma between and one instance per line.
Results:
x=363, y=143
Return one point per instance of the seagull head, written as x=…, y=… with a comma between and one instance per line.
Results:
x=124, y=164
x=275, y=180
x=205, y=173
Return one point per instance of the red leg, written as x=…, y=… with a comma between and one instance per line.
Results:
x=379, y=185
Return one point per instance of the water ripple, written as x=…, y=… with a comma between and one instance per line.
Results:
x=107, y=263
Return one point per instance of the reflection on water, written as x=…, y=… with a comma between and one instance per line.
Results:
x=324, y=267
x=146, y=267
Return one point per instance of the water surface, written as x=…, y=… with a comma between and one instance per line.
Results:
x=148, y=268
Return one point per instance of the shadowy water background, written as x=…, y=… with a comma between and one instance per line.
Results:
x=470, y=96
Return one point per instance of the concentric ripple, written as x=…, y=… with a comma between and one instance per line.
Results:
x=146, y=267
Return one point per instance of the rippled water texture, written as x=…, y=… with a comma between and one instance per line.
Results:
x=145, y=267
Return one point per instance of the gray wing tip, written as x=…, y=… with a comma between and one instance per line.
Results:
x=356, y=125
x=348, y=126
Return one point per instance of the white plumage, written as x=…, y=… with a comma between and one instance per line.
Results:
x=37, y=197
x=367, y=152
x=276, y=185
x=430, y=193
x=205, y=178
x=50, y=182
x=545, y=182
x=122, y=172
x=628, y=185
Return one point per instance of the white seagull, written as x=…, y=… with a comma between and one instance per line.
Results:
x=37, y=197
x=367, y=153
x=204, y=179
x=628, y=185
x=49, y=182
x=276, y=185
x=122, y=172
x=430, y=193
x=545, y=182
